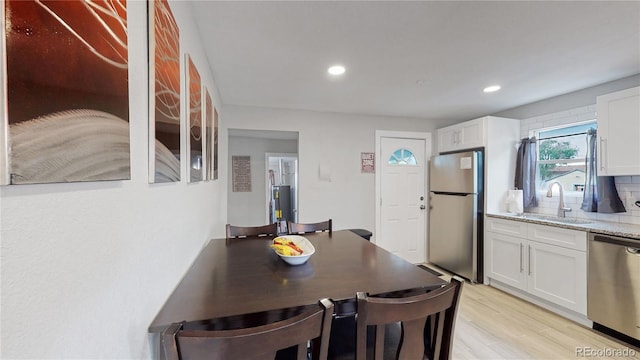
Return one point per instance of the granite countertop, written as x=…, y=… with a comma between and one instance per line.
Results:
x=594, y=226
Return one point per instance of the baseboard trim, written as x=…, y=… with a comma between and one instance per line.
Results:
x=556, y=309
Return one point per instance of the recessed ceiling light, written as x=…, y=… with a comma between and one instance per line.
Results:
x=492, y=88
x=336, y=70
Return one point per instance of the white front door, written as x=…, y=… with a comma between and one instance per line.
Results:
x=401, y=214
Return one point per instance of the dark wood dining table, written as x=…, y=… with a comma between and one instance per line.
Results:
x=244, y=276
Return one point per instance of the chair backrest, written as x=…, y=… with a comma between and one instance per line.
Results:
x=426, y=318
x=260, y=342
x=235, y=232
x=296, y=228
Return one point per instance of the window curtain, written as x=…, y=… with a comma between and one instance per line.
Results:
x=525, y=178
x=600, y=193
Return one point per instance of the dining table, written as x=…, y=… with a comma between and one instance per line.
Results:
x=236, y=281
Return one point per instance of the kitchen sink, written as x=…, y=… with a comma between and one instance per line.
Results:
x=556, y=219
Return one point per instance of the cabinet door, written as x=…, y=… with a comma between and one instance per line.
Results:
x=506, y=259
x=471, y=134
x=558, y=275
x=447, y=139
x=619, y=133
x=466, y=135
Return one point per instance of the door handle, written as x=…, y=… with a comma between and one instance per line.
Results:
x=529, y=255
x=422, y=207
x=521, y=255
x=633, y=251
x=601, y=153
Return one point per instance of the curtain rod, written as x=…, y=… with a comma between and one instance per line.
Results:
x=561, y=136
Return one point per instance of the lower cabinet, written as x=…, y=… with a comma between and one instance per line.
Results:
x=507, y=263
x=558, y=275
x=545, y=270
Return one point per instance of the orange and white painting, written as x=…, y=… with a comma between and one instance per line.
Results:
x=215, y=144
x=195, y=153
x=67, y=98
x=164, y=99
x=209, y=134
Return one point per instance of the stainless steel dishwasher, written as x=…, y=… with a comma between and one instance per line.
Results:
x=613, y=290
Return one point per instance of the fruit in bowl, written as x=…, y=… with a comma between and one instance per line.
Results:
x=293, y=249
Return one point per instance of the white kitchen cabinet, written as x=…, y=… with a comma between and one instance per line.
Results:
x=547, y=262
x=506, y=262
x=558, y=275
x=619, y=133
x=466, y=135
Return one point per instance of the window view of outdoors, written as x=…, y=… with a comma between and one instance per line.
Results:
x=561, y=156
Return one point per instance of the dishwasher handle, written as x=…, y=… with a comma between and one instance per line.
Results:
x=616, y=240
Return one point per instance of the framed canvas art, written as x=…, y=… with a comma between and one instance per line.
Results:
x=215, y=144
x=66, y=115
x=194, y=138
x=164, y=94
x=209, y=134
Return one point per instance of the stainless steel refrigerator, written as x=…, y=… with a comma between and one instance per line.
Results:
x=456, y=203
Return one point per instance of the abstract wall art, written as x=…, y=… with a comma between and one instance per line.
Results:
x=194, y=140
x=164, y=90
x=215, y=144
x=67, y=100
x=209, y=134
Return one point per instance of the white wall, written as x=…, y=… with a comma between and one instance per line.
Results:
x=250, y=208
x=86, y=266
x=335, y=141
x=500, y=161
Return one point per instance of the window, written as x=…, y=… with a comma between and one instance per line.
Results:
x=561, y=156
x=402, y=157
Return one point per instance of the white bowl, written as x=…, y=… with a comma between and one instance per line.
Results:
x=302, y=243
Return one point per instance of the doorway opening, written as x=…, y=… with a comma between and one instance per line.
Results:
x=251, y=207
x=282, y=189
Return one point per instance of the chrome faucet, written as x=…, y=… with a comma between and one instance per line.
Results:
x=561, y=209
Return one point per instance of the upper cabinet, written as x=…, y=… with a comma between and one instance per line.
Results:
x=466, y=135
x=619, y=133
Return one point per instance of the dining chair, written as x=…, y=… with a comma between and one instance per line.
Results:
x=261, y=342
x=297, y=228
x=426, y=320
x=239, y=232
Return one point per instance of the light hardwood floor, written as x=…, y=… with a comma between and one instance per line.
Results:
x=492, y=324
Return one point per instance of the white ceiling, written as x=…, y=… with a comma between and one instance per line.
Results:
x=425, y=59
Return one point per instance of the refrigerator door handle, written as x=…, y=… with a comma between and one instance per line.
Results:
x=451, y=193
